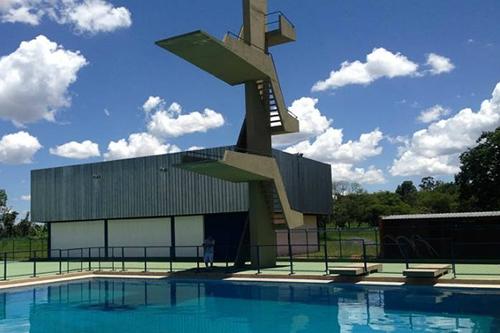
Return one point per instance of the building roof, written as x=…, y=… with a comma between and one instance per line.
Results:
x=442, y=216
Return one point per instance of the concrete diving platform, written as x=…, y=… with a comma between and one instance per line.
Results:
x=243, y=167
x=231, y=60
x=355, y=269
x=427, y=271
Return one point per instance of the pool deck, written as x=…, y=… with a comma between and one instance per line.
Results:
x=467, y=275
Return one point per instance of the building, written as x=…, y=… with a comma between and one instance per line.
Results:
x=152, y=201
x=461, y=236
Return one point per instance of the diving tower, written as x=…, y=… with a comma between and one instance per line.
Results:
x=244, y=58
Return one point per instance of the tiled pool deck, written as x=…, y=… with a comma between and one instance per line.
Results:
x=22, y=272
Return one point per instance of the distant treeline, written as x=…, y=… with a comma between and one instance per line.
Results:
x=23, y=228
x=476, y=187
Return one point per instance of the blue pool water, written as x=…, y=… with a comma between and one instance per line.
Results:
x=122, y=306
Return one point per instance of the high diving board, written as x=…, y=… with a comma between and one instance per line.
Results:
x=231, y=60
x=243, y=167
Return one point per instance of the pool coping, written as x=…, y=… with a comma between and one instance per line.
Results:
x=315, y=279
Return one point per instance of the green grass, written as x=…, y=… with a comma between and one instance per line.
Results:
x=18, y=248
x=347, y=244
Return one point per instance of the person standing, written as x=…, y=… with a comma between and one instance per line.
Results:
x=208, y=251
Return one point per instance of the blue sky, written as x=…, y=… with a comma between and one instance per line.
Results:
x=396, y=79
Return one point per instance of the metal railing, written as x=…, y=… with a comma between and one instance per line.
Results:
x=253, y=258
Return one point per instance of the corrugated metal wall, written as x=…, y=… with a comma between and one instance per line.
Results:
x=152, y=186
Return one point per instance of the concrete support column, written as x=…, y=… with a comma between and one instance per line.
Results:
x=261, y=228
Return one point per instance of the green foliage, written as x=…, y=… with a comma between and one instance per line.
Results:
x=24, y=228
x=407, y=191
x=354, y=209
x=479, y=176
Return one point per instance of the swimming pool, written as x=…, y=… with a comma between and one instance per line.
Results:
x=121, y=306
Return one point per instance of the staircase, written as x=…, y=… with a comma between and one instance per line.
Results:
x=281, y=120
x=274, y=205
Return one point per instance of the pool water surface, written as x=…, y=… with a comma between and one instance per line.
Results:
x=122, y=306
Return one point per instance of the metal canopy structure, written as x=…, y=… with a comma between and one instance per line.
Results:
x=245, y=59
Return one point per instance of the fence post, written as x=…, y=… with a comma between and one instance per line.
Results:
x=376, y=242
x=340, y=243
x=325, y=252
x=113, y=259
x=90, y=260
x=99, y=260
x=307, y=244
x=67, y=261
x=123, y=259
x=452, y=250
x=29, y=239
x=290, y=254
x=145, y=260
x=258, y=259
x=170, y=259
x=364, y=256
x=81, y=259
x=197, y=258
x=5, y=266
x=34, y=264
x=60, y=262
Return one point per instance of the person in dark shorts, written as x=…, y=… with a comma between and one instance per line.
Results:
x=208, y=251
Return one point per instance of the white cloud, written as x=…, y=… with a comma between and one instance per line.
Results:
x=21, y=11
x=379, y=63
x=34, y=80
x=433, y=113
x=94, y=16
x=18, y=148
x=435, y=149
x=151, y=103
x=88, y=16
x=195, y=148
x=347, y=172
x=329, y=147
x=311, y=122
x=172, y=123
x=77, y=150
x=138, y=144
x=439, y=64
x=26, y=197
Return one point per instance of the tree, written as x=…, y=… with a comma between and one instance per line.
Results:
x=24, y=227
x=479, y=176
x=407, y=191
x=429, y=183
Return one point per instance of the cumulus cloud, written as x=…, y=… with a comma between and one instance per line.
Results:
x=87, y=16
x=439, y=64
x=138, y=144
x=151, y=103
x=171, y=122
x=311, y=122
x=34, y=80
x=326, y=144
x=347, y=172
x=18, y=148
x=435, y=149
x=379, y=63
x=433, y=113
x=77, y=150
x=330, y=147
x=26, y=197
x=22, y=11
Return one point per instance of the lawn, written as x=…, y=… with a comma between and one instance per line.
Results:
x=19, y=248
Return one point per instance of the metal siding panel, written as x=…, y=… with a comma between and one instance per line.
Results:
x=137, y=188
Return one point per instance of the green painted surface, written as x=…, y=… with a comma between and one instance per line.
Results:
x=17, y=270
